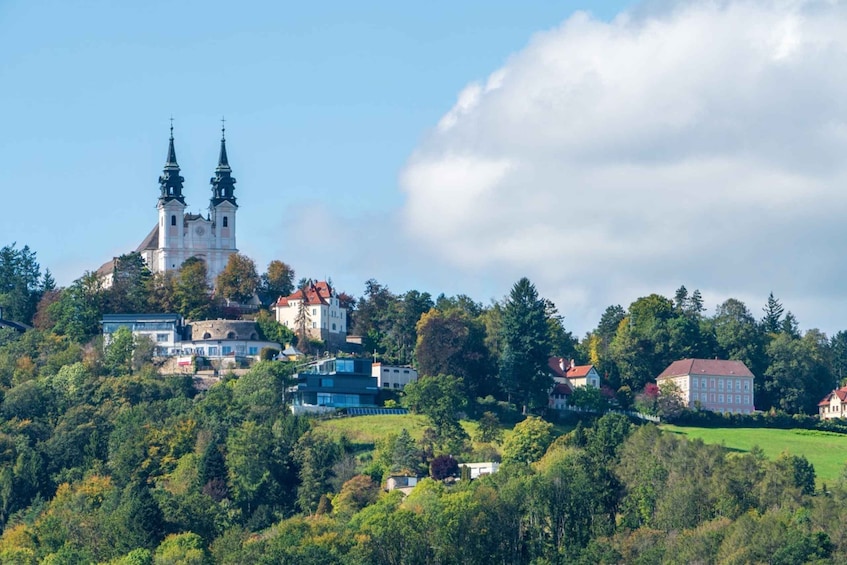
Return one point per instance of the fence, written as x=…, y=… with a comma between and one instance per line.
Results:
x=632, y=413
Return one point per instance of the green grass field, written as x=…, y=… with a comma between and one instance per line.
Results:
x=827, y=451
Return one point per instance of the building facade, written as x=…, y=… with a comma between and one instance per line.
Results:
x=332, y=383
x=178, y=235
x=712, y=384
x=393, y=377
x=212, y=339
x=834, y=404
x=322, y=314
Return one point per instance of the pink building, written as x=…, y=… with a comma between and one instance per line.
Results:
x=834, y=404
x=712, y=384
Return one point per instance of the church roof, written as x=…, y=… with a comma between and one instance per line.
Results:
x=107, y=268
x=151, y=241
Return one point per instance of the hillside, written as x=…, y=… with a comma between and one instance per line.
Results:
x=827, y=451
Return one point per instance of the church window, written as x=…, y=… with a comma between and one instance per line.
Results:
x=226, y=222
x=173, y=220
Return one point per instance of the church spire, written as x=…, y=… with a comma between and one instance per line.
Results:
x=170, y=183
x=223, y=183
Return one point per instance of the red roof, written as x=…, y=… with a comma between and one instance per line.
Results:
x=841, y=393
x=579, y=371
x=562, y=388
x=317, y=293
x=717, y=367
x=559, y=366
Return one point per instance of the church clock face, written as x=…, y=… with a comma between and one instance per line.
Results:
x=199, y=230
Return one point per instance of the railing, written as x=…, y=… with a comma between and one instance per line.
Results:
x=634, y=414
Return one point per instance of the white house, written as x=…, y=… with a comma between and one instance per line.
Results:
x=393, y=377
x=834, y=404
x=325, y=318
x=713, y=384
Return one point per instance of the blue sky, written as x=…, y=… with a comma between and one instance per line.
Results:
x=338, y=134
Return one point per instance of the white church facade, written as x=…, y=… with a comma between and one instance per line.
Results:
x=178, y=235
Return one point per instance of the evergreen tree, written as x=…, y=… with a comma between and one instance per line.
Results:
x=772, y=321
x=526, y=347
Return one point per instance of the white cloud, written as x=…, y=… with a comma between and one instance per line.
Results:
x=697, y=143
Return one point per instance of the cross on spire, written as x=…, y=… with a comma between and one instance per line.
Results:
x=223, y=129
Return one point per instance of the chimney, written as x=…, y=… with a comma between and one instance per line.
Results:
x=562, y=364
x=573, y=364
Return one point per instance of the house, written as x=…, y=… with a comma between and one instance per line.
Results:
x=478, y=470
x=318, y=306
x=562, y=389
x=332, y=383
x=164, y=330
x=576, y=375
x=17, y=326
x=403, y=483
x=834, y=404
x=712, y=384
x=213, y=339
x=391, y=377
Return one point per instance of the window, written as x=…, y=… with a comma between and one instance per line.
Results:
x=694, y=384
x=746, y=386
x=729, y=399
x=703, y=384
x=230, y=335
x=720, y=398
x=738, y=399
x=226, y=222
x=737, y=385
x=207, y=335
x=386, y=385
x=314, y=311
x=720, y=384
x=326, y=383
x=161, y=337
x=252, y=350
x=173, y=220
x=226, y=350
x=314, y=324
x=333, y=326
x=213, y=351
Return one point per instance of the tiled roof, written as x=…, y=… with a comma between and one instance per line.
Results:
x=559, y=366
x=578, y=371
x=151, y=241
x=317, y=293
x=562, y=388
x=717, y=367
x=107, y=268
x=841, y=393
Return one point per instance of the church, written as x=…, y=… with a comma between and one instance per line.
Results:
x=178, y=236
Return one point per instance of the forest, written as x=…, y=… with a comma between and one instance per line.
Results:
x=102, y=460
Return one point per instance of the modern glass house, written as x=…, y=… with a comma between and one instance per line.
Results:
x=334, y=383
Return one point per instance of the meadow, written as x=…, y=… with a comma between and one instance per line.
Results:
x=827, y=451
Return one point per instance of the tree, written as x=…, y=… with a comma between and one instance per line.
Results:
x=526, y=347
x=489, y=430
x=440, y=398
x=238, y=281
x=772, y=320
x=79, y=309
x=443, y=466
x=271, y=330
x=192, y=294
x=130, y=290
x=20, y=283
x=451, y=343
x=118, y=352
x=528, y=441
x=278, y=280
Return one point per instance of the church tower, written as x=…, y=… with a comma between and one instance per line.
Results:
x=171, y=208
x=222, y=209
